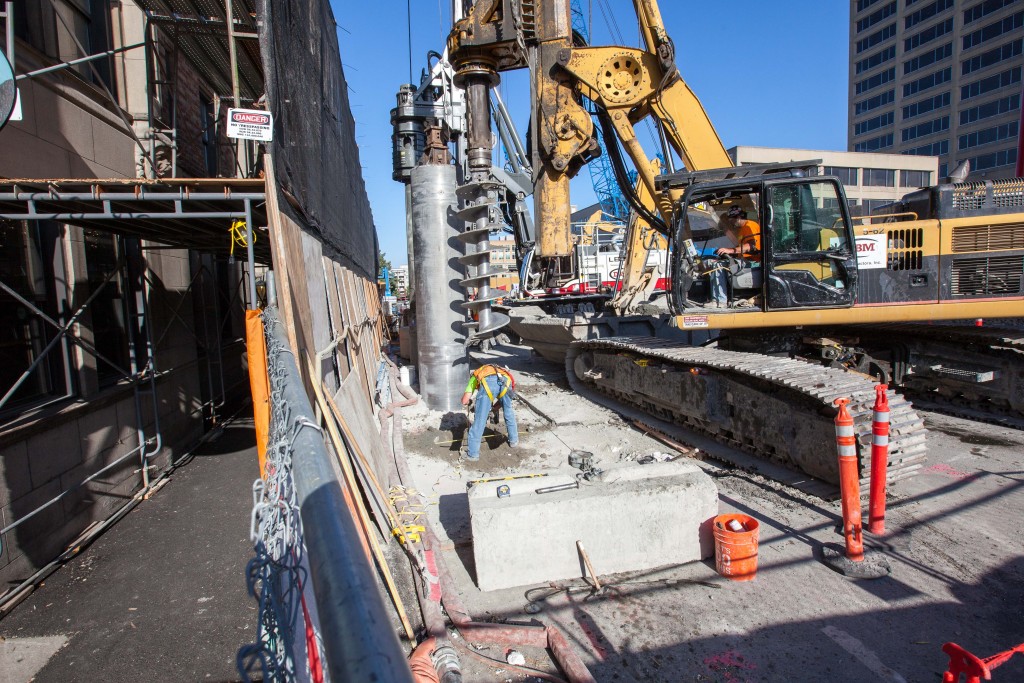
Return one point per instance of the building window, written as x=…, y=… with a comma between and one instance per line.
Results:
x=1004, y=157
x=876, y=38
x=926, y=12
x=928, y=58
x=983, y=9
x=864, y=4
x=53, y=29
x=925, y=106
x=103, y=261
x=993, y=30
x=987, y=85
x=881, y=142
x=879, y=177
x=876, y=59
x=915, y=178
x=989, y=109
x=869, y=206
x=876, y=80
x=994, y=56
x=929, y=34
x=876, y=16
x=986, y=136
x=934, y=149
x=846, y=175
x=875, y=102
x=942, y=170
x=32, y=264
x=922, y=129
x=930, y=81
x=873, y=123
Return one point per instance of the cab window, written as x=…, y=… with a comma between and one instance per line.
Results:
x=806, y=218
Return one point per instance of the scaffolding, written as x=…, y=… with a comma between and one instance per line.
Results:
x=190, y=214
x=220, y=39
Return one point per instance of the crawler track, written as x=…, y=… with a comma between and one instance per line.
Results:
x=999, y=401
x=777, y=409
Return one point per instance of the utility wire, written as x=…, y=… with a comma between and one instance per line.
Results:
x=440, y=22
x=408, y=17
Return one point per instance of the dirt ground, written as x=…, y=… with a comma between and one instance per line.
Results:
x=954, y=551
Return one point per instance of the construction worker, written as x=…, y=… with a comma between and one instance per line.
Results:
x=492, y=385
x=745, y=234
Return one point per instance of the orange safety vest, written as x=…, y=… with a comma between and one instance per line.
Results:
x=485, y=371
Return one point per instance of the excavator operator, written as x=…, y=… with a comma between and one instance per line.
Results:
x=745, y=234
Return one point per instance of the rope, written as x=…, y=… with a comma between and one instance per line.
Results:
x=239, y=236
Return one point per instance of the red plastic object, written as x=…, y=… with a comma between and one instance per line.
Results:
x=972, y=667
x=849, y=482
x=879, y=460
x=316, y=669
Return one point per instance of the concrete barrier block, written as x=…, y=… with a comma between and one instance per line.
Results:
x=635, y=517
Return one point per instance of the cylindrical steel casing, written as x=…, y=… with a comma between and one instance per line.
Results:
x=441, y=335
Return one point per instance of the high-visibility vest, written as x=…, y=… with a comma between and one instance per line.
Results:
x=485, y=371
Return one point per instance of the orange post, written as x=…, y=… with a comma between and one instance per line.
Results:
x=879, y=460
x=849, y=482
x=259, y=383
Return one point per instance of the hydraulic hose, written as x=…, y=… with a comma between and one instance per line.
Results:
x=611, y=144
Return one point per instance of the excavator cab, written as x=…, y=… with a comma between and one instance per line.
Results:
x=787, y=240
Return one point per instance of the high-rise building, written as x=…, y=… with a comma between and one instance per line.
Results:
x=400, y=280
x=938, y=78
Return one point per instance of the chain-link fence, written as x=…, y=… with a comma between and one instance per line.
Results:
x=335, y=626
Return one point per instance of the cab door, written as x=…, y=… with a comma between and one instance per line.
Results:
x=809, y=255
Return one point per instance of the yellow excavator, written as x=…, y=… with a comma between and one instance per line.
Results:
x=728, y=353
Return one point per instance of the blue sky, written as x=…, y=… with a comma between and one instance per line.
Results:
x=771, y=74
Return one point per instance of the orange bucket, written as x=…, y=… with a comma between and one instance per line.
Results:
x=736, y=551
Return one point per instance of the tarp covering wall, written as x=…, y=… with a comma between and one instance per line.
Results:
x=316, y=160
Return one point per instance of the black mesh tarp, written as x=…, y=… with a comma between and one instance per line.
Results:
x=316, y=159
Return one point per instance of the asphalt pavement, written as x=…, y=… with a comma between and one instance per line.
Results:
x=161, y=595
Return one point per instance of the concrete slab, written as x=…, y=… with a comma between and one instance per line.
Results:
x=632, y=517
x=22, y=658
x=162, y=594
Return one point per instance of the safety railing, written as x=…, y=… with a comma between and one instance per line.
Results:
x=336, y=624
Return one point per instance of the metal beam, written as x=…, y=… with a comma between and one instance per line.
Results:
x=80, y=60
x=250, y=253
x=9, y=25
x=229, y=13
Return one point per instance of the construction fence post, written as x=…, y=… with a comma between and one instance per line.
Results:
x=849, y=482
x=879, y=460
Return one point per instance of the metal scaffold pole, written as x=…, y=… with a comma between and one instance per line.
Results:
x=9, y=25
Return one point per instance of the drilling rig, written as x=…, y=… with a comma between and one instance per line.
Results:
x=758, y=365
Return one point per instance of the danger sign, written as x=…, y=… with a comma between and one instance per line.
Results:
x=871, y=251
x=250, y=124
